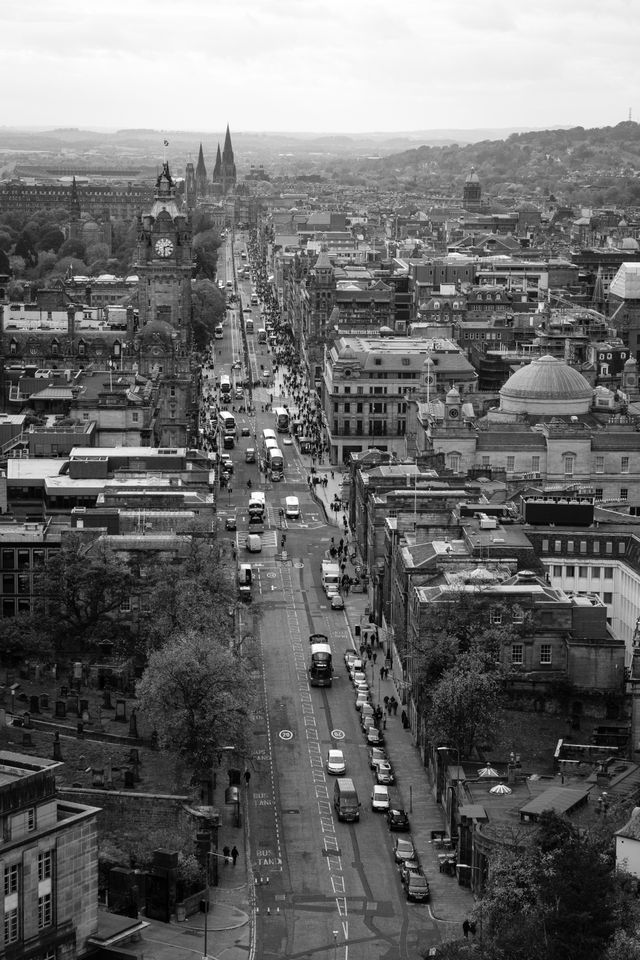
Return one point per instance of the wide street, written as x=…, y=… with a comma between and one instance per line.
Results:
x=323, y=888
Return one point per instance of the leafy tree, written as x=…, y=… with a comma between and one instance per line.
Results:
x=208, y=308
x=6, y=241
x=197, y=695
x=50, y=239
x=15, y=291
x=24, y=248
x=465, y=705
x=205, y=251
x=79, y=592
x=66, y=264
x=72, y=248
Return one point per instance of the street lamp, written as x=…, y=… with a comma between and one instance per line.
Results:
x=335, y=944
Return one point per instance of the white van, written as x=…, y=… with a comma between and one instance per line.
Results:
x=292, y=507
x=253, y=543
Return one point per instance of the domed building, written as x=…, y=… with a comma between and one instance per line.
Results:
x=545, y=387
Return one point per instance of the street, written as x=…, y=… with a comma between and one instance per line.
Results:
x=323, y=887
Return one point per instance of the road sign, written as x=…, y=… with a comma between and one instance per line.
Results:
x=337, y=734
x=286, y=735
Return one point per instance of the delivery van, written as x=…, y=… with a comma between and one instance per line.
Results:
x=292, y=507
x=345, y=800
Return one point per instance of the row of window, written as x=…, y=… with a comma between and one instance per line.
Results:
x=81, y=351
x=372, y=408
x=22, y=558
x=12, y=891
x=569, y=546
x=360, y=391
x=517, y=654
x=568, y=464
x=375, y=428
x=569, y=570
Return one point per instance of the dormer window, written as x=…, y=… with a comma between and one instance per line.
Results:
x=378, y=361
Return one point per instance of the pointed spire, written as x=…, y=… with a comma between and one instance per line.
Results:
x=227, y=151
x=217, y=170
x=201, y=169
x=75, y=201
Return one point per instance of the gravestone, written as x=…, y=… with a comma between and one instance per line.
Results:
x=72, y=706
x=34, y=704
x=26, y=719
x=133, y=725
x=128, y=780
x=134, y=755
x=57, y=747
x=27, y=740
x=80, y=730
x=106, y=700
x=64, y=692
x=97, y=776
x=44, y=701
x=121, y=711
x=61, y=710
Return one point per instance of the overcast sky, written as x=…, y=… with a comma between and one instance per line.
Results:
x=319, y=65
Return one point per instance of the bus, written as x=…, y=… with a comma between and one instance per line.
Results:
x=218, y=332
x=248, y=325
x=227, y=423
x=269, y=435
x=282, y=419
x=270, y=444
x=275, y=464
x=225, y=384
x=320, y=668
x=262, y=336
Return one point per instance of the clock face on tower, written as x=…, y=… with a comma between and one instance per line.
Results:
x=164, y=247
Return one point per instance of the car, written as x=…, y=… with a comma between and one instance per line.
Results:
x=374, y=737
x=354, y=665
x=236, y=366
x=239, y=393
x=397, y=819
x=366, y=722
x=360, y=699
x=384, y=772
x=231, y=523
x=416, y=886
x=380, y=799
x=337, y=602
x=366, y=710
x=358, y=676
x=287, y=442
x=349, y=656
x=376, y=754
x=336, y=763
x=245, y=432
x=226, y=463
x=407, y=866
x=403, y=849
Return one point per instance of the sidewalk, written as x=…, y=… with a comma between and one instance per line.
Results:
x=450, y=903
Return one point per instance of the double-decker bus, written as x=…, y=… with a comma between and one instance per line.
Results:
x=282, y=419
x=227, y=423
x=225, y=384
x=262, y=336
x=248, y=325
x=320, y=668
x=275, y=464
x=269, y=435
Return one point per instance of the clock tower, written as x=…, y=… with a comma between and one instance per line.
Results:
x=164, y=261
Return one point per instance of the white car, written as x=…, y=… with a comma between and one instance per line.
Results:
x=287, y=442
x=336, y=763
x=380, y=799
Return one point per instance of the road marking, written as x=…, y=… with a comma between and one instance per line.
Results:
x=286, y=735
x=337, y=734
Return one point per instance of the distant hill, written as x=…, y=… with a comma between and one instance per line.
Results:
x=597, y=166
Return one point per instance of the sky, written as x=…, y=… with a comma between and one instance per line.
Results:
x=319, y=65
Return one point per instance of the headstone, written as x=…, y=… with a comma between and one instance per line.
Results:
x=134, y=755
x=34, y=704
x=3, y=718
x=97, y=776
x=121, y=711
x=80, y=730
x=27, y=740
x=133, y=725
x=44, y=701
x=26, y=719
x=64, y=692
x=57, y=748
x=72, y=706
x=77, y=670
x=61, y=709
x=106, y=700
x=84, y=707
x=128, y=780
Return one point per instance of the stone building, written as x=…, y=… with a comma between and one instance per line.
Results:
x=49, y=861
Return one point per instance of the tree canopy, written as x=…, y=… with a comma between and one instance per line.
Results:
x=208, y=308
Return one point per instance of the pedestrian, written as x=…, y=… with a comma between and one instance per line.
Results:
x=382, y=673
x=226, y=853
x=369, y=653
x=395, y=705
x=403, y=717
x=362, y=649
x=465, y=929
x=374, y=656
x=247, y=776
x=235, y=853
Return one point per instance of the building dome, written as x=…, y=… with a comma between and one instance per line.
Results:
x=158, y=331
x=629, y=243
x=546, y=386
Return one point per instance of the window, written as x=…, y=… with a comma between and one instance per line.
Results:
x=545, y=653
x=569, y=462
x=517, y=651
x=11, y=926
x=496, y=615
x=599, y=464
x=570, y=546
x=557, y=570
x=607, y=598
x=511, y=464
x=624, y=465
x=608, y=573
x=44, y=911
x=624, y=493
x=621, y=546
x=599, y=492
x=545, y=546
x=44, y=865
x=535, y=464
x=11, y=879
x=583, y=546
x=455, y=461
x=31, y=818
x=557, y=546
x=571, y=570
x=486, y=461
x=582, y=571
x=595, y=573
x=517, y=615
x=134, y=416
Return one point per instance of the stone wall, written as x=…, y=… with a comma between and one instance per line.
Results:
x=123, y=812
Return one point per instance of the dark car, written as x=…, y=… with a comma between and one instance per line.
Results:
x=376, y=754
x=397, y=820
x=416, y=886
x=374, y=737
x=231, y=523
x=403, y=849
x=245, y=432
x=407, y=866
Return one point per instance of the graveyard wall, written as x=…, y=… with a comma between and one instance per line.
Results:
x=132, y=813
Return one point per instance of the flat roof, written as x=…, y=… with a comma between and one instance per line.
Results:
x=96, y=452
x=561, y=798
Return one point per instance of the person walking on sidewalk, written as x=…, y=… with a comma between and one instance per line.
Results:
x=235, y=854
x=226, y=853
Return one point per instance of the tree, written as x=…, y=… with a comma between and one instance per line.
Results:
x=79, y=594
x=208, y=308
x=50, y=239
x=72, y=248
x=72, y=265
x=205, y=249
x=465, y=705
x=197, y=695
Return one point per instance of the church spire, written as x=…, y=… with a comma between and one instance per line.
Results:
x=228, y=168
x=75, y=201
x=201, y=175
x=217, y=170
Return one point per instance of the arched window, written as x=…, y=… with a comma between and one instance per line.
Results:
x=82, y=348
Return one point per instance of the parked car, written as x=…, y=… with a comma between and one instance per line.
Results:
x=384, y=773
x=365, y=723
x=337, y=602
x=358, y=676
x=407, y=866
x=366, y=710
x=374, y=737
x=336, y=763
x=403, y=849
x=231, y=523
x=397, y=819
x=416, y=886
x=361, y=698
x=376, y=755
x=350, y=656
x=380, y=799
